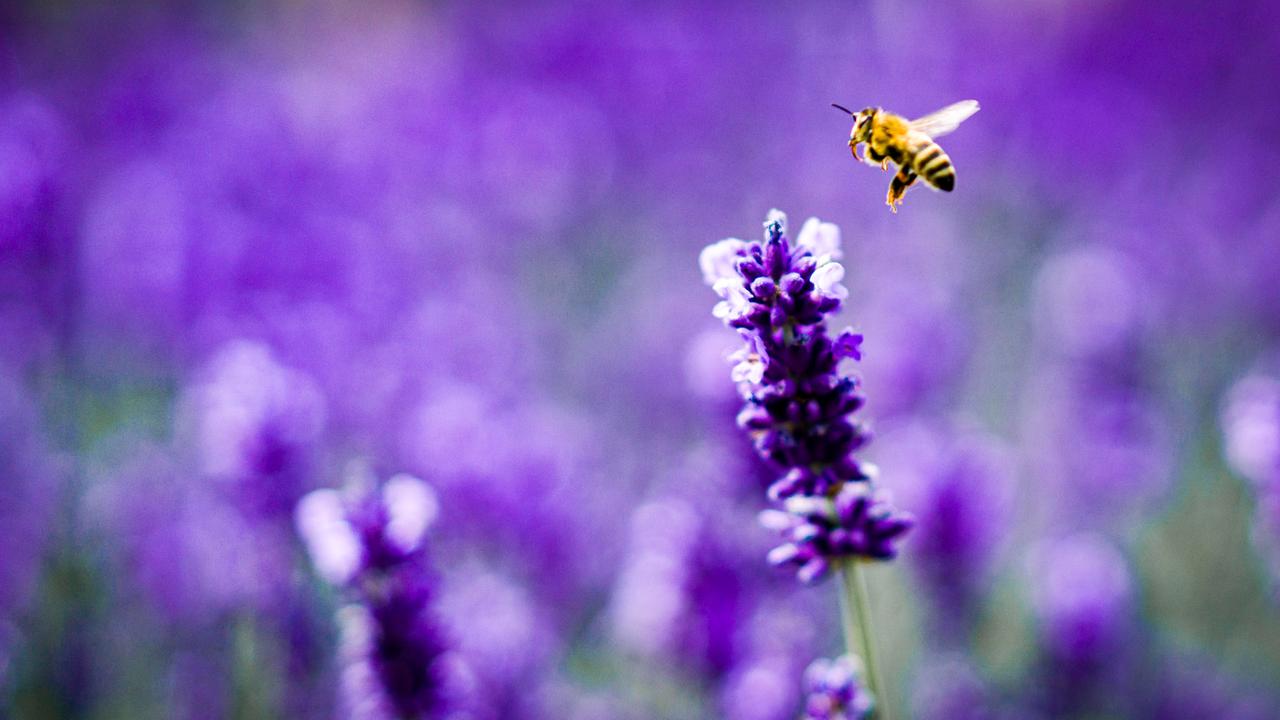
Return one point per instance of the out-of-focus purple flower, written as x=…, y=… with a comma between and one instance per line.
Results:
x=522, y=480
x=501, y=651
x=761, y=688
x=835, y=690
x=256, y=425
x=780, y=640
x=960, y=486
x=1092, y=390
x=1251, y=438
x=858, y=522
x=1083, y=595
x=687, y=588
x=1251, y=429
x=649, y=598
x=33, y=147
x=370, y=539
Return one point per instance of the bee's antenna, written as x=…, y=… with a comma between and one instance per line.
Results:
x=842, y=108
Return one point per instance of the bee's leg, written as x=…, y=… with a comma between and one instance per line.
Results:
x=905, y=178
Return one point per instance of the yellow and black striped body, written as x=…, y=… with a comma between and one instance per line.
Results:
x=930, y=162
x=908, y=144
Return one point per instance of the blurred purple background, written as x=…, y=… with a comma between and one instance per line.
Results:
x=244, y=244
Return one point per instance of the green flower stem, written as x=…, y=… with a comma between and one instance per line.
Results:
x=855, y=616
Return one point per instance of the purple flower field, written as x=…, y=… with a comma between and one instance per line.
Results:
x=497, y=361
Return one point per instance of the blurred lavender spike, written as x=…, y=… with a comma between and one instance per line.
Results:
x=1251, y=440
x=960, y=484
x=835, y=690
x=369, y=539
x=256, y=426
x=1083, y=597
x=1251, y=429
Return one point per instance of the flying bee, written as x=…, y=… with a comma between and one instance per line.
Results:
x=909, y=144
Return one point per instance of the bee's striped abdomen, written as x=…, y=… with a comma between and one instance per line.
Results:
x=932, y=164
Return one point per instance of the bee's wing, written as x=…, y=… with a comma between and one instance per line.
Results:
x=945, y=120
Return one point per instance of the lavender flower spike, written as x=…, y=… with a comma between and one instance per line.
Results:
x=798, y=400
x=835, y=691
x=368, y=539
x=799, y=403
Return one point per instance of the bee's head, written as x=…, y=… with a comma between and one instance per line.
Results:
x=862, y=125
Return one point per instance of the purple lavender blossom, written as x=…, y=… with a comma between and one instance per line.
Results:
x=1119, y=460
x=859, y=521
x=649, y=599
x=798, y=400
x=522, y=480
x=835, y=690
x=1092, y=389
x=1069, y=289
x=1083, y=598
x=370, y=540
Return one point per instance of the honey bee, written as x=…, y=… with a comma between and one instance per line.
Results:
x=909, y=144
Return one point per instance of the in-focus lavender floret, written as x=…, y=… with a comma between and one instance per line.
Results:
x=858, y=522
x=369, y=539
x=798, y=402
x=835, y=690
